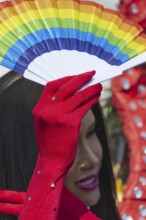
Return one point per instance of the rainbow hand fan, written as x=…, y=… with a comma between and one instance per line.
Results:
x=49, y=39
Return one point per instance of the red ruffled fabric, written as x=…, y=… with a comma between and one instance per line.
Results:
x=134, y=10
x=129, y=96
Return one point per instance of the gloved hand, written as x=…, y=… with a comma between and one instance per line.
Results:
x=57, y=118
x=11, y=202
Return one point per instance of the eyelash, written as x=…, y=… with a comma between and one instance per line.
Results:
x=90, y=133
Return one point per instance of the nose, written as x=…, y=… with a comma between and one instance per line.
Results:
x=89, y=159
x=85, y=166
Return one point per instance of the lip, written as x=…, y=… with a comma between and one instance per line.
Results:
x=88, y=183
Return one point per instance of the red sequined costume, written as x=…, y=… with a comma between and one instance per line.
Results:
x=129, y=96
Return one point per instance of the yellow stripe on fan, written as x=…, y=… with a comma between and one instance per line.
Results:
x=18, y=20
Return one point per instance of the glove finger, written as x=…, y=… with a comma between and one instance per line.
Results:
x=73, y=85
x=85, y=108
x=81, y=98
x=49, y=92
x=12, y=196
x=53, y=86
x=10, y=208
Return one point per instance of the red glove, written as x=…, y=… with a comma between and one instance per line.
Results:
x=11, y=201
x=57, y=118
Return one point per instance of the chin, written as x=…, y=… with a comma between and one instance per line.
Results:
x=91, y=198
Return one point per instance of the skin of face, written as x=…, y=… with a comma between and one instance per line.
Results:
x=82, y=178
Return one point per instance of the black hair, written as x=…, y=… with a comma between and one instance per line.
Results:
x=18, y=147
x=106, y=207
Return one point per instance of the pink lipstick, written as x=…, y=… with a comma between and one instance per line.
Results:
x=88, y=183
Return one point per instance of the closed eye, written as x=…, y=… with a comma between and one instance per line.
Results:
x=91, y=131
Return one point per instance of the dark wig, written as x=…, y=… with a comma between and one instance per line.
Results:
x=106, y=207
x=18, y=147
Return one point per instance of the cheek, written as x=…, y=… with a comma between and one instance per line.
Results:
x=71, y=179
x=95, y=146
x=73, y=173
x=71, y=176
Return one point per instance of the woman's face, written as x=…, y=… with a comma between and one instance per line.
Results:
x=83, y=177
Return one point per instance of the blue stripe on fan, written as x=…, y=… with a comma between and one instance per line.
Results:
x=59, y=43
